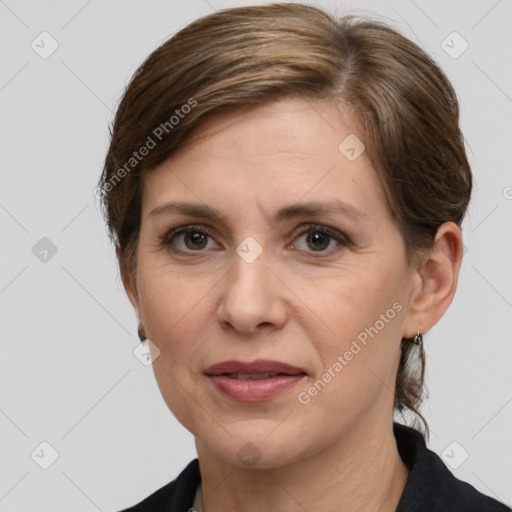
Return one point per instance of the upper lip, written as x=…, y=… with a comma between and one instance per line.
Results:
x=258, y=366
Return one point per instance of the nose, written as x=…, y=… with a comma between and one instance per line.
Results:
x=253, y=297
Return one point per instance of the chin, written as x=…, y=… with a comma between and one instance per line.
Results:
x=255, y=446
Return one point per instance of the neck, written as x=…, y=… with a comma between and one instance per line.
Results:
x=362, y=471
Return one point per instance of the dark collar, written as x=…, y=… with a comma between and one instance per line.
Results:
x=431, y=487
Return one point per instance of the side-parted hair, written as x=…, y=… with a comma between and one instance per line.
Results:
x=240, y=58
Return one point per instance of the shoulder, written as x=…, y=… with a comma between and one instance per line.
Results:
x=456, y=495
x=177, y=495
x=465, y=497
x=431, y=486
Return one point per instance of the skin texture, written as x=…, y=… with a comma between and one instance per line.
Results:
x=293, y=303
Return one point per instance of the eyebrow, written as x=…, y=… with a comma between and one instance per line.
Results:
x=335, y=206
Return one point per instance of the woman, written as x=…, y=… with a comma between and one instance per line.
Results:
x=285, y=191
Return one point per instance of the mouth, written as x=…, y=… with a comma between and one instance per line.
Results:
x=258, y=367
x=253, y=376
x=255, y=381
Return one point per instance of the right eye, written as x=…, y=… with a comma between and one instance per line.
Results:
x=194, y=239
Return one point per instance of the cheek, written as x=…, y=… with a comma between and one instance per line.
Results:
x=172, y=310
x=352, y=300
x=359, y=319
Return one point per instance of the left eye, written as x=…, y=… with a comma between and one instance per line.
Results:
x=319, y=238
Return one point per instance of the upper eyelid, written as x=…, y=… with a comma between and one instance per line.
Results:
x=303, y=229
x=210, y=230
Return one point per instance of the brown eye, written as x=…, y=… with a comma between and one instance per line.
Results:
x=195, y=240
x=187, y=239
x=320, y=239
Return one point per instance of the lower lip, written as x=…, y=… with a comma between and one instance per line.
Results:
x=254, y=390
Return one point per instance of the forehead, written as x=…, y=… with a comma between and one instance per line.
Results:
x=288, y=123
x=277, y=153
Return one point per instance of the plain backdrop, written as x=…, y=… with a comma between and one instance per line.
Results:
x=68, y=376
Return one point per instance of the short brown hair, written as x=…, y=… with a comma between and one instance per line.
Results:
x=246, y=57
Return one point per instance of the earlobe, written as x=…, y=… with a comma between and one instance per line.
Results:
x=434, y=291
x=141, y=333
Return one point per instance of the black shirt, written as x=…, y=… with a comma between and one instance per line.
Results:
x=431, y=487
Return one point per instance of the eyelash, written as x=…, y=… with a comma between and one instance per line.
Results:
x=343, y=240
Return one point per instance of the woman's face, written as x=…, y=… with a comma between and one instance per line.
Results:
x=325, y=291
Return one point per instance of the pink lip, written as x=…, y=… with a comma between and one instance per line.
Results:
x=257, y=366
x=254, y=390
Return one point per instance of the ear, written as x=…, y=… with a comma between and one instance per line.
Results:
x=130, y=285
x=435, y=281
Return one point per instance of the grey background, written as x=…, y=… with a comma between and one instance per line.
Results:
x=68, y=375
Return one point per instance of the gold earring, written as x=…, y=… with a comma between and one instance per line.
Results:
x=418, y=339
